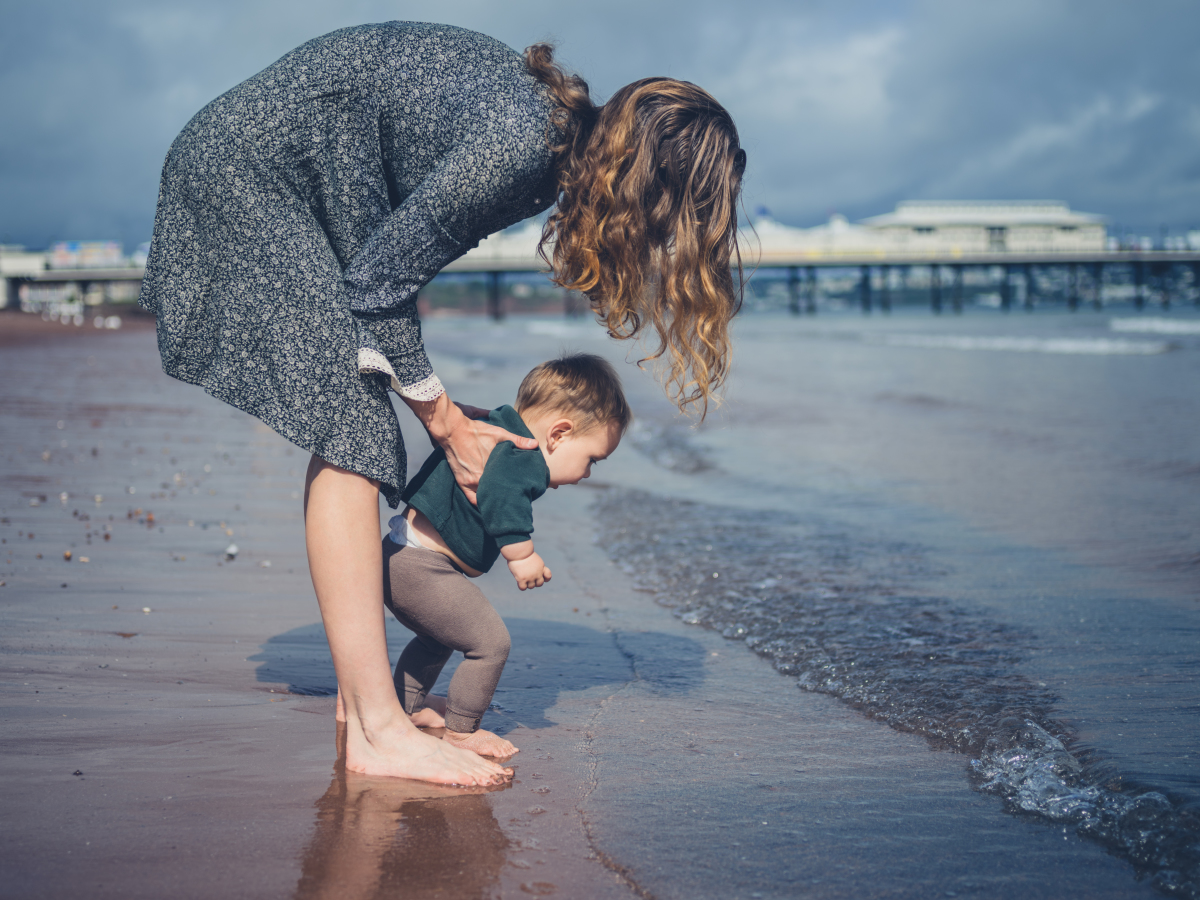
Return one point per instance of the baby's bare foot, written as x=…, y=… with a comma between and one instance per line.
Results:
x=482, y=742
x=436, y=703
x=427, y=718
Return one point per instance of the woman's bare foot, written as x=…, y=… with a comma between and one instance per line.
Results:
x=340, y=712
x=401, y=751
x=482, y=742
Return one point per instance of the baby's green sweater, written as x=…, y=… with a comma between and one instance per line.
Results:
x=511, y=481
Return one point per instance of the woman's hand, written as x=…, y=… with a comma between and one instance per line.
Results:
x=467, y=441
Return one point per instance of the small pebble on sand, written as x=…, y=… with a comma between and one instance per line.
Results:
x=146, y=610
x=231, y=552
x=67, y=555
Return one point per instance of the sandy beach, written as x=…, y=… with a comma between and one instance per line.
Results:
x=168, y=710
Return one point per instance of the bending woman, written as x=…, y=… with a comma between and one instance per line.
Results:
x=300, y=213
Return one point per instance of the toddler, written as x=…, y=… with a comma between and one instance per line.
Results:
x=574, y=407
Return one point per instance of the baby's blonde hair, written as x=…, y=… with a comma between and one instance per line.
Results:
x=578, y=384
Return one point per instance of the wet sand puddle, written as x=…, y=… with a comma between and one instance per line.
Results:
x=836, y=612
x=384, y=837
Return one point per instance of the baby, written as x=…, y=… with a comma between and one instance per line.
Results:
x=574, y=407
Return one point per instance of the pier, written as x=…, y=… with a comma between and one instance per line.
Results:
x=1086, y=274
x=1156, y=276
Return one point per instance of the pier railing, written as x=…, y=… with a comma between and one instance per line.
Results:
x=1085, y=274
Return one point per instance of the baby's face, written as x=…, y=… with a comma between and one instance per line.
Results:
x=570, y=458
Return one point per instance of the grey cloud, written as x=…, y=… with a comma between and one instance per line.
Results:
x=845, y=107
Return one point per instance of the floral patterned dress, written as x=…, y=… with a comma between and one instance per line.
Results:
x=300, y=213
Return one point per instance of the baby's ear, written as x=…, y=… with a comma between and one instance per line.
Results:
x=561, y=429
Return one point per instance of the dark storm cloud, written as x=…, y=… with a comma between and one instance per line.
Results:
x=841, y=107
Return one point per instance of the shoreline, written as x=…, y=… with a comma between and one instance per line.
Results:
x=652, y=751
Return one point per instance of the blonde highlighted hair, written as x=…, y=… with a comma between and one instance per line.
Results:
x=580, y=385
x=646, y=220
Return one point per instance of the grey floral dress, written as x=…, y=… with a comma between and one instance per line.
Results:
x=300, y=213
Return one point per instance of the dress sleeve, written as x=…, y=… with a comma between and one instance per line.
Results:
x=492, y=178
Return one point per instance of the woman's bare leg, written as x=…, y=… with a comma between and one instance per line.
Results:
x=341, y=516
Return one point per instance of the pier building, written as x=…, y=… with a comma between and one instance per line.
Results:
x=1028, y=226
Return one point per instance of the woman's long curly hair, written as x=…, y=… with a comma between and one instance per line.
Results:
x=646, y=220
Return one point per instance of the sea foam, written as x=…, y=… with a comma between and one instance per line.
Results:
x=1068, y=346
x=1157, y=325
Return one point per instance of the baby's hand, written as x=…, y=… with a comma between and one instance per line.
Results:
x=530, y=572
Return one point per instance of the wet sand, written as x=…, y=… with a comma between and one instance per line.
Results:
x=18, y=329
x=188, y=750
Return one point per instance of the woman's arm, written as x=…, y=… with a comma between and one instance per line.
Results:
x=467, y=441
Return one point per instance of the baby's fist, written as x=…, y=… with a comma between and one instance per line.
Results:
x=530, y=572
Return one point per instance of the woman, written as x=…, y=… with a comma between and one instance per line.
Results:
x=300, y=213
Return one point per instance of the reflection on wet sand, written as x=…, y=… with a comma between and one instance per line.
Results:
x=388, y=837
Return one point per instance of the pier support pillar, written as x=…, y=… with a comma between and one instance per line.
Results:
x=1097, y=286
x=493, y=296
x=1139, y=284
x=1196, y=281
x=1006, y=288
x=1027, y=277
x=1073, y=287
x=864, y=288
x=935, y=289
x=793, y=289
x=956, y=295
x=571, y=307
x=810, y=295
x=885, y=288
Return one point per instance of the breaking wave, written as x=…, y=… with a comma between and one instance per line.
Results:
x=837, y=612
x=1156, y=326
x=1068, y=346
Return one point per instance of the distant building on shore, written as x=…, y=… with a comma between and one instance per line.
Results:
x=86, y=255
x=17, y=263
x=1027, y=226
x=943, y=228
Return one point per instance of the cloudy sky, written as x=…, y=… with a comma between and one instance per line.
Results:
x=843, y=107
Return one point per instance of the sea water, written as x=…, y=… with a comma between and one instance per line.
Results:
x=981, y=529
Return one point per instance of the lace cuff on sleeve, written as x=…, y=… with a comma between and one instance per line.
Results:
x=372, y=362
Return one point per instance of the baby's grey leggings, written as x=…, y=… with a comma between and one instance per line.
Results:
x=430, y=596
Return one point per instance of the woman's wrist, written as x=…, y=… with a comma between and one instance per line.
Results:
x=440, y=417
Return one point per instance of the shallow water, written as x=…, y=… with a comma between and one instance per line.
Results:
x=981, y=529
